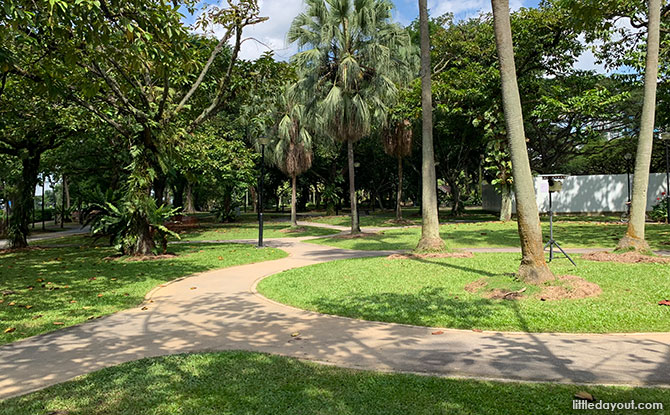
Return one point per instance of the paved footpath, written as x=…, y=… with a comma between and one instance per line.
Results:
x=224, y=312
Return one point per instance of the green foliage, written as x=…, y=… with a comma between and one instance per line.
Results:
x=119, y=223
x=659, y=213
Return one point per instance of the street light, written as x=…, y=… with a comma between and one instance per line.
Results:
x=628, y=157
x=358, y=210
x=665, y=138
x=263, y=142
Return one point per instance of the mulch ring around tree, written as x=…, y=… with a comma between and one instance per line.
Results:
x=356, y=235
x=630, y=257
x=140, y=258
x=299, y=229
x=432, y=255
x=565, y=287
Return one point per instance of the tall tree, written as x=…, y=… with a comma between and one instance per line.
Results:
x=634, y=237
x=430, y=224
x=397, y=140
x=136, y=66
x=533, y=268
x=292, y=151
x=352, y=58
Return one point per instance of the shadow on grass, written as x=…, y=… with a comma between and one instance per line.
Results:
x=249, y=383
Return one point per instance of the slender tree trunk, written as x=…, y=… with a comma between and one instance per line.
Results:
x=355, y=226
x=398, y=207
x=634, y=237
x=430, y=226
x=533, y=268
x=294, y=202
x=254, y=198
x=190, y=202
x=506, y=203
x=66, y=192
x=23, y=201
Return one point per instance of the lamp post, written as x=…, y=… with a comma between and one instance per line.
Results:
x=665, y=137
x=263, y=141
x=358, y=208
x=628, y=157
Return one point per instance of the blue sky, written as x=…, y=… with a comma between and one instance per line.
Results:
x=272, y=33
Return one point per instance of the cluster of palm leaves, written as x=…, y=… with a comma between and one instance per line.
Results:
x=351, y=63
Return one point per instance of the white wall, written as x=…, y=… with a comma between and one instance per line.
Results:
x=583, y=194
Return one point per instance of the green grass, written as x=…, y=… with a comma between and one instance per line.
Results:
x=430, y=292
x=570, y=234
x=251, y=383
x=63, y=284
x=234, y=231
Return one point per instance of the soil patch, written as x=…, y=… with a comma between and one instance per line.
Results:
x=569, y=287
x=499, y=294
x=630, y=257
x=293, y=230
x=356, y=235
x=140, y=258
x=432, y=255
x=475, y=286
x=401, y=222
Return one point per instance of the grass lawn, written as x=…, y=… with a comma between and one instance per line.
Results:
x=232, y=231
x=69, y=285
x=252, y=383
x=570, y=234
x=430, y=292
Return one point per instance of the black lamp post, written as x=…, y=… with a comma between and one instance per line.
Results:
x=358, y=208
x=628, y=157
x=263, y=141
x=665, y=137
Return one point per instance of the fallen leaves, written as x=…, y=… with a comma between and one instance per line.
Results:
x=145, y=308
x=296, y=334
x=584, y=396
x=437, y=333
x=58, y=323
x=99, y=295
x=194, y=288
x=12, y=303
x=10, y=330
x=664, y=302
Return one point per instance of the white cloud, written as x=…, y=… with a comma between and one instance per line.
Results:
x=272, y=33
x=466, y=8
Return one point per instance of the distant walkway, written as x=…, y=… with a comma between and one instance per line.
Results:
x=221, y=310
x=4, y=243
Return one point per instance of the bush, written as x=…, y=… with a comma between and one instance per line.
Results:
x=659, y=213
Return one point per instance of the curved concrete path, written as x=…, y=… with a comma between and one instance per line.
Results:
x=224, y=313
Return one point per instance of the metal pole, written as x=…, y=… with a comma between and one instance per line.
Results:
x=628, y=178
x=43, y=182
x=667, y=180
x=260, y=198
x=62, y=205
x=551, y=229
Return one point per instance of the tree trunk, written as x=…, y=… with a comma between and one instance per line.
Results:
x=23, y=201
x=159, y=189
x=634, y=237
x=533, y=268
x=254, y=199
x=66, y=192
x=294, y=202
x=145, y=242
x=430, y=225
x=355, y=226
x=398, y=207
x=506, y=204
x=190, y=203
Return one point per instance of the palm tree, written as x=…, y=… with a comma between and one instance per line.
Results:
x=634, y=237
x=292, y=151
x=533, y=267
x=397, y=142
x=430, y=223
x=351, y=59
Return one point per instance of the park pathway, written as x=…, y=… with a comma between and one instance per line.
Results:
x=220, y=310
x=78, y=230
